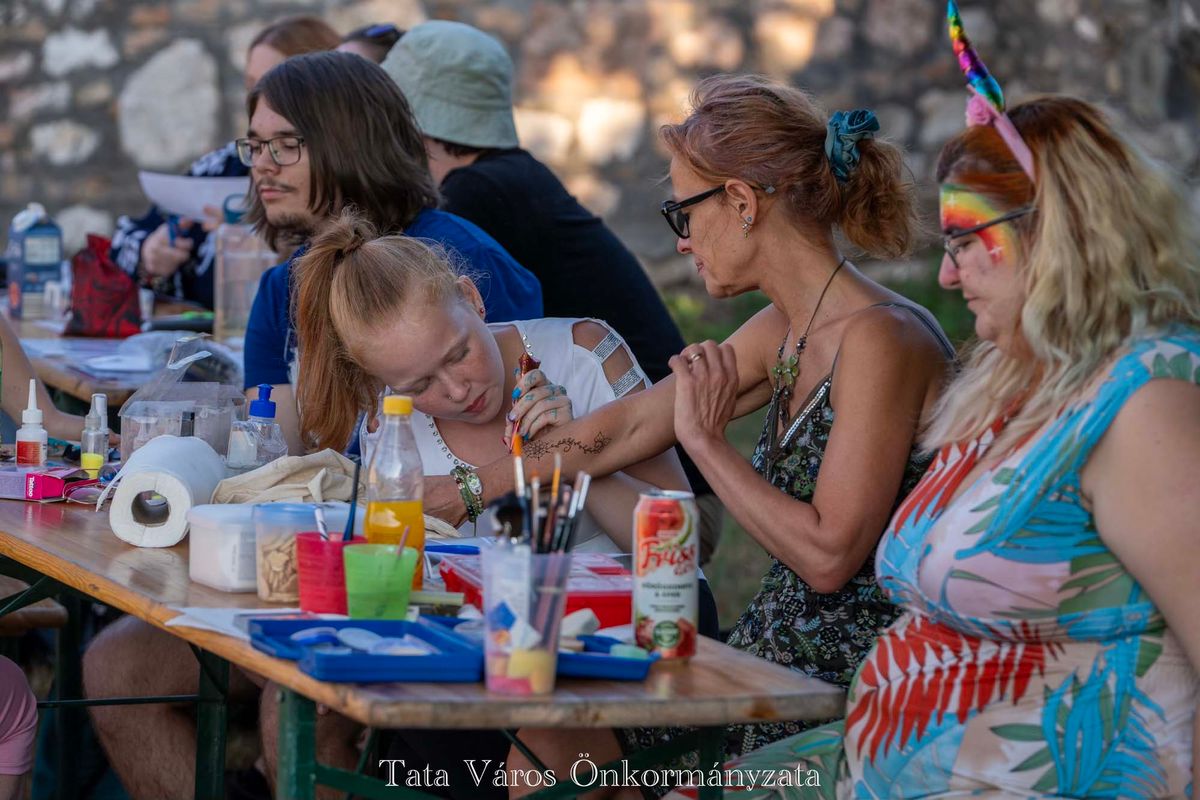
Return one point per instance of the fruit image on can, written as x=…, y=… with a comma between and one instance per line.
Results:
x=666, y=555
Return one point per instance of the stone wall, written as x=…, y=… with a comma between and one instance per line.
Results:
x=93, y=90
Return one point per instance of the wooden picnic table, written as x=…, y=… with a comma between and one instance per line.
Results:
x=73, y=545
x=60, y=361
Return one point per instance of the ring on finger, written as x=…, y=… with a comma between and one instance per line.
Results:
x=695, y=357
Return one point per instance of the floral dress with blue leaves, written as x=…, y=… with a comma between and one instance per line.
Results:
x=1028, y=662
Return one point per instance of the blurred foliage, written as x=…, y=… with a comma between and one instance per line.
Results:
x=739, y=562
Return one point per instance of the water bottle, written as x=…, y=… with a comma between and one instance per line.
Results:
x=241, y=259
x=395, y=480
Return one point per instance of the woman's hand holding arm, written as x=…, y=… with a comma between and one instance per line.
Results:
x=887, y=369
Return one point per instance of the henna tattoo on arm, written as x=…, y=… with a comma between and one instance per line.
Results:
x=537, y=450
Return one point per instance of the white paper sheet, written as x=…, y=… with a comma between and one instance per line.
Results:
x=233, y=621
x=186, y=196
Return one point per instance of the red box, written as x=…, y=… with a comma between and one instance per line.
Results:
x=596, y=582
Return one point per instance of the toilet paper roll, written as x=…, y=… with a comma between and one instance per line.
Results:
x=158, y=485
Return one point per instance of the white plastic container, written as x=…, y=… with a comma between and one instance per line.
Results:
x=222, y=549
x=221, y=552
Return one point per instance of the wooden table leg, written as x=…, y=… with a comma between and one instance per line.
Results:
x=712, y=751
x=212, y=714
x=296, y=776
x=68, y=684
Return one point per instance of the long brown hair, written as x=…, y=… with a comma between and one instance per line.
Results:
x=364, y=148
x=769, y=134
x=295, y=35
x=349, y=277
x=1111, y=253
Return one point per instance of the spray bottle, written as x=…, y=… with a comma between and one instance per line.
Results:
x=94, y=443
x=31, y=436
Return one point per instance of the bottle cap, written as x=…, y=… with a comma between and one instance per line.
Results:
x=263, y=406
x=32, y=415
x=230, y=213
x=397, y=404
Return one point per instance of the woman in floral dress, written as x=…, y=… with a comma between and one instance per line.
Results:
x=1047, y=563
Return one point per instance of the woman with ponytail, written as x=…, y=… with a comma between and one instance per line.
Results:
x=391, y=314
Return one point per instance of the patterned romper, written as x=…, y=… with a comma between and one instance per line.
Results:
x=1028, y=662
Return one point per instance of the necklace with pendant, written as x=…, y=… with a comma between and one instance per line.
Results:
x=787, y=370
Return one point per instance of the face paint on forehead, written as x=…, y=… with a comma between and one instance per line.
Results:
x=962, y=209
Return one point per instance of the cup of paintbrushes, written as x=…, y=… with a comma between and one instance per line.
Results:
x=525, y=594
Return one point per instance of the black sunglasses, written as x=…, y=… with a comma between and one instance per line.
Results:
x=673, y=211
x=949, y=237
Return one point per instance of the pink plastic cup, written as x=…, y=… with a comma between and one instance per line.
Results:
x=322, y=572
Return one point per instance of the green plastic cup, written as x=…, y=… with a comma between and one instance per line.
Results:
x=378, y=580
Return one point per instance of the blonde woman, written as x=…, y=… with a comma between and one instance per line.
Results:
x=1047, y=564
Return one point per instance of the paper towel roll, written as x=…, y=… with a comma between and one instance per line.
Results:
x=160, y=482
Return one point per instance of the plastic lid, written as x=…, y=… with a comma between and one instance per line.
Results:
x=32, y=415
x=397, y=404
x=263, y=407
x=222, y=514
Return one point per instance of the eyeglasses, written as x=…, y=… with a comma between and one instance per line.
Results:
x=949, y=238
x=284, y=150
x=673, y=211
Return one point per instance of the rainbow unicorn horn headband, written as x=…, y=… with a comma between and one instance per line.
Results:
x=986, y=106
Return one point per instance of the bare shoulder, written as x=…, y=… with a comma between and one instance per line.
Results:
x=588, y=333
x=1162, y=414
x=892, y=335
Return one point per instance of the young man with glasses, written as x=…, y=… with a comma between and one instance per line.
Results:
x=328, y=131
x=175, y=256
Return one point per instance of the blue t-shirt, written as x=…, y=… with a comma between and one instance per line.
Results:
x=509, y=292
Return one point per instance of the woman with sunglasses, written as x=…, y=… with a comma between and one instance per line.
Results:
x=766, y=182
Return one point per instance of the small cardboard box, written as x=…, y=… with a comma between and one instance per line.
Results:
x=38, y=484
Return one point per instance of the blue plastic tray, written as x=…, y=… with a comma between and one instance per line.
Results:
x=595, y=662
x=458, y=661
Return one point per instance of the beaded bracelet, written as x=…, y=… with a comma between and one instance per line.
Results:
x=471, y=489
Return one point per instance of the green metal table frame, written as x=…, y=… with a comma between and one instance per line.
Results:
x=299, y=773
x=211, y=699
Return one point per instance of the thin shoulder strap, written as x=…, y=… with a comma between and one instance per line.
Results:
x=943, y=342
x=930, y=326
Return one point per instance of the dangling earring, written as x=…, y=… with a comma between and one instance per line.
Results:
x=746, y=227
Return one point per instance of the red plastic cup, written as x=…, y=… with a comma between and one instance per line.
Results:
x=322, y=572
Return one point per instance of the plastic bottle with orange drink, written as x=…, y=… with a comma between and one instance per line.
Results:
x=395, y=480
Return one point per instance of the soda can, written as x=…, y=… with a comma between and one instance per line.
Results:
x=666, y=550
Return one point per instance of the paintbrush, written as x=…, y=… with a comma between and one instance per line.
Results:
x=349, y=532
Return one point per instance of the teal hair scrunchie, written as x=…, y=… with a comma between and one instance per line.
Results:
x=842, y=134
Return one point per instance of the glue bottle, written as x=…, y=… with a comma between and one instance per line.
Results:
x=31, y=436
x=94, y=442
